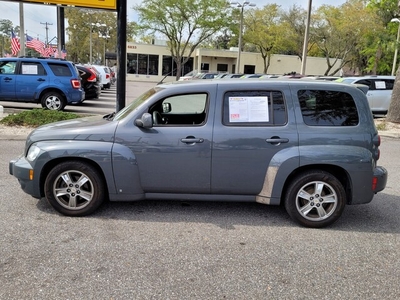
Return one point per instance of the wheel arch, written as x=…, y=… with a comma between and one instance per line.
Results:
x=52, y=89
x=51, y=164
x=340, y=173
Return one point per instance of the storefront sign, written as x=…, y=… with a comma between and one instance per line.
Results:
x=105, y=4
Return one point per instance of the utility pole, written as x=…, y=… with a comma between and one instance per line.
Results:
x=47, y=31
x=21, y=29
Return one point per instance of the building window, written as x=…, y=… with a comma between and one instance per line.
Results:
x=132, y=64
x=142, y=64
x=169, y=66
x=249, y=69
x=222, y=67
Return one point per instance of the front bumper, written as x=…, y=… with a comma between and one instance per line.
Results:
x=21, y=169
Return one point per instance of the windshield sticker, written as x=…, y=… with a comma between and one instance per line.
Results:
x=30, y=69
x=380, y=85
x=248, y=109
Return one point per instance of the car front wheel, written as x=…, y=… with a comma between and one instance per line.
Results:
x=315, y=199
x=74, y=188
x=53, y=101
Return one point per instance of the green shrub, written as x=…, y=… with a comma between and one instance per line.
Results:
x=37, y=117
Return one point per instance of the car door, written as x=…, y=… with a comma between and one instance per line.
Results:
x=252, y=138
x=7, y=79
x=174, y=156
x=382, y=93
x=31, y=77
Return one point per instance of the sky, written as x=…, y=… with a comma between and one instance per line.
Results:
x=36, y=14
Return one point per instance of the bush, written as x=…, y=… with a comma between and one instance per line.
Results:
x=37, y=117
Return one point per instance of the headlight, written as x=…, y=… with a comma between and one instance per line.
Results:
x=33, y=152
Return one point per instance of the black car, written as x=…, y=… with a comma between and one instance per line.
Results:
x=90, y=82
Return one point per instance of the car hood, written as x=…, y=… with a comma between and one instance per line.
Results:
x=95, y=128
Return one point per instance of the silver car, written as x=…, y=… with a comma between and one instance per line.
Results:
x=379, y=91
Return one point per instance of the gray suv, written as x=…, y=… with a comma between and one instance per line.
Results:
x=310, y=146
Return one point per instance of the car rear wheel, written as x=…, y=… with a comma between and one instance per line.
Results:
x=315, y=199
x=53, y=101
x=74, y=188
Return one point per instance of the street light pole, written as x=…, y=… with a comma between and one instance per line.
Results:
x=241, y=6
x=305, y=43
x=397, y=45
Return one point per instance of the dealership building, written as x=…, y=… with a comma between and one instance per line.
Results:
x=153, y=62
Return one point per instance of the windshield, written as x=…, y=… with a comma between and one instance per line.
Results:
x=136, y=103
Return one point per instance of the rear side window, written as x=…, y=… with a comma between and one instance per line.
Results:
x=254, y=108
x=327, y=108
x=60, y=69
x=384, y=84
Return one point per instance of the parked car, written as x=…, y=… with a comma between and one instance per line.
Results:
x=235, y=75
x=379, y=90
x=251, y=75
x=90, y=82
x=51, y=82
x=205, y=76
x=105, y=76
x=311, y=146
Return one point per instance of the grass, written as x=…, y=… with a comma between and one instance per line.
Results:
x=37, y=117
x=381, y=126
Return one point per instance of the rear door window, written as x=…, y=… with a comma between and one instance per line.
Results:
x=254, y=108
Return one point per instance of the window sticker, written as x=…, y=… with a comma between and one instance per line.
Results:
x=30, y=69
x=248, y=109
x=380, y=85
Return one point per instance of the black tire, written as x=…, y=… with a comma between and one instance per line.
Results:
x=315, y=199
x=74, y=188
x=53, y=101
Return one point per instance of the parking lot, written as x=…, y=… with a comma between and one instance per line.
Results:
x=196, y=250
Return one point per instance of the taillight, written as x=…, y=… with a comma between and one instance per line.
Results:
x=92, y=77
x=374, y=183
x=377, y=142
x=107, y=76
x=76, y=83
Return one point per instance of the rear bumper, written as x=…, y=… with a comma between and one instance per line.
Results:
x=380, y=179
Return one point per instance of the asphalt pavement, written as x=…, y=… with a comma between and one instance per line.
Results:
x=197, y=250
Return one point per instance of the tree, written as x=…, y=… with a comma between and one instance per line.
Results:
x=263, y=30
x=294, y=20
x=184, y=23
x=104, y=33
x=393, y=114
x=6, y=26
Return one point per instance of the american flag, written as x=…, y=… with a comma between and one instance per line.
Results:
x=35, y=44
x=48, y=51
x=15, y=45
x=63, y=53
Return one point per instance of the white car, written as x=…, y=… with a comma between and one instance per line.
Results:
x=379, y=91
x=105, y=76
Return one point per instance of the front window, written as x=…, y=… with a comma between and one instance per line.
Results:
x=7, y=67
x=185, y=109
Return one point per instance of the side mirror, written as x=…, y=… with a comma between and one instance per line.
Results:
x=166, y=107
x=145, y=122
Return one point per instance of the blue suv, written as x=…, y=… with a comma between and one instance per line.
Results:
x=53, y=83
